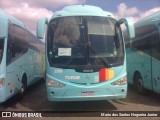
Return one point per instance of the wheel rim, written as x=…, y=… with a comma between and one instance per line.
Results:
x=139, y=84
x=22, y=88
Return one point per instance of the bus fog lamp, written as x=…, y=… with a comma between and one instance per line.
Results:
x=121, y=81
x=53, y=83
x=52, y=92
x=2, y=82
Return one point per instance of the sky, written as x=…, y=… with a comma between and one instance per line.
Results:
x=29, y=11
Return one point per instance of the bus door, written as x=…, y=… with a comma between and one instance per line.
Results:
x=156, y=59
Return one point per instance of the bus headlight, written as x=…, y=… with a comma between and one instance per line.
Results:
x=121, y=81
x=53, y=83
x=2, y=82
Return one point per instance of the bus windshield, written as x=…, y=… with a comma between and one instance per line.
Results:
x=1, y=49
x=84, y=41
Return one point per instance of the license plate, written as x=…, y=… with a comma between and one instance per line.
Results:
x=88, y=93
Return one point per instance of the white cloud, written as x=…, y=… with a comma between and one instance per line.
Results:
x=28, y=11
x=40, y=3
x=149, y=12
x=133, y=13
x=123, y=10
x=55, y=3
x=28, y=15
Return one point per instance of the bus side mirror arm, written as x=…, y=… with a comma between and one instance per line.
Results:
x=130, y=27
x=40, y=31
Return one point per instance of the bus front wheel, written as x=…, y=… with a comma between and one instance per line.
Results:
x=139, y=85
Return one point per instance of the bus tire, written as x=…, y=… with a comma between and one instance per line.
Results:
x=139, y=85
x=23, y=86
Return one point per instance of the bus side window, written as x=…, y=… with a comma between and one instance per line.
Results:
x=142, y=40
x=156, y=41
x=10, y=51
x=1, y=49
x=155, y=38
x=20, y=41
x=126, y=39
x=1, y=53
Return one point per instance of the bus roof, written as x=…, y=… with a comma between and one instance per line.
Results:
x=149, y=19
x=12, y=19
x=82, y=10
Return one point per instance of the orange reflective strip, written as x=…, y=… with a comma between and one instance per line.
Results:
x=105, y=74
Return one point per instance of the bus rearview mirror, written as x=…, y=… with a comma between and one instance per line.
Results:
x=130, y=27
x=41, y=26
x=3, y=27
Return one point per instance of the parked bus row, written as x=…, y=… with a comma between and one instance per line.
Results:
x=85, y=58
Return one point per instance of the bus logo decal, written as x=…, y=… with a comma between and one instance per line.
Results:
x=87, y=77
x=72, y=77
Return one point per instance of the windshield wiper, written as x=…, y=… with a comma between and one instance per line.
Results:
x=69, y=62
x=88, y=45
x=104, y=61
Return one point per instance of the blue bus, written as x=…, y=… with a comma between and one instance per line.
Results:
x=21, y=57
x=85, y=55
x=143, y=55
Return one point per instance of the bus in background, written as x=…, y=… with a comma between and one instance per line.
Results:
x=20, y=57
x=143, y=54
x=85, y=55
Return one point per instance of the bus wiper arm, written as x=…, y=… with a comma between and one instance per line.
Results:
x=69, y=62
x=104, y=61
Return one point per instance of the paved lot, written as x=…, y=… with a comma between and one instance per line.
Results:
x=36, y=100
